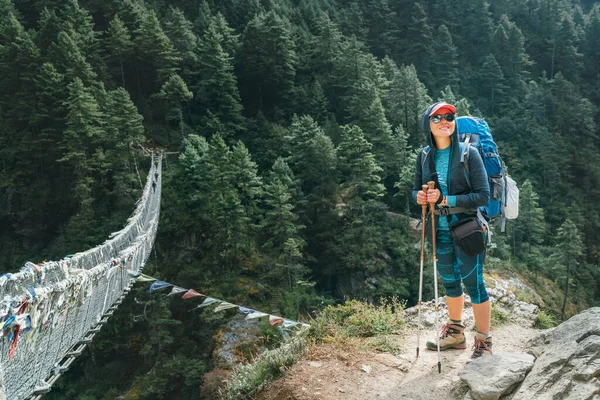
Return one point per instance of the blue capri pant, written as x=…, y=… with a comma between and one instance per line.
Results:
x=455, y=267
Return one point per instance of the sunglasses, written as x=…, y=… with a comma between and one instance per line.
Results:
x=436, y=119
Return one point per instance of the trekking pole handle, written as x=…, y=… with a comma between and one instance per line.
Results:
x=430, y=185
x=424, y=188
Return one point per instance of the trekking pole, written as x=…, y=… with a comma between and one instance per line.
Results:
x=431, y=185
x=423, y=216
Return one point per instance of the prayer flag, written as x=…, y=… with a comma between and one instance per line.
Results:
x=144, y=278
x=208, y=301
x=177, y=290
x=224, y=306
x=191, y=293
x=158, y=285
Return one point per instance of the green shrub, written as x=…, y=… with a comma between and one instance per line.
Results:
x=499, y=317
x=358, y=319
x=545, y=320
x=249, y=379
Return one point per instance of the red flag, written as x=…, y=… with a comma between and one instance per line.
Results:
x=11, y=353
x=191, y=293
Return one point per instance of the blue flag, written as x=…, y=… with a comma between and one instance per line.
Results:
x=158, y=285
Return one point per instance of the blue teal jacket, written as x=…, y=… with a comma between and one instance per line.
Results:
x=467, y=196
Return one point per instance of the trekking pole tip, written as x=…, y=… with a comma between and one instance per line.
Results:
x=417, y=352
x=439, y=367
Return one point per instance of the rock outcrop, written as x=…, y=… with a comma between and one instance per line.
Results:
x=566, y=366
x=568, y=361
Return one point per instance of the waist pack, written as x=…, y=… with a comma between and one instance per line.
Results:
x=469, y=235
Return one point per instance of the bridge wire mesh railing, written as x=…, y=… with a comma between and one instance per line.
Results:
x=48, y=311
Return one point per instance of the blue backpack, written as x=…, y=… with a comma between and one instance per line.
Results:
x=475, y=132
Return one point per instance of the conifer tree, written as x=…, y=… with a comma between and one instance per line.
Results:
x=492, y=84
x=445, y=63
x=180, y=32
x=382, y=35
x=267, y=66
x=118, y=44
x=228, y=38
x=419, y=49
x=314, y=162
x=352, y=21
x=406, y=100
x=591, y=45
x=564, y=57
x=361, y=176
x=68, y=59
x=245, y=179
x=217, y=89
x=508, y=45
x=17, y=49
x=175, y=93
x=568, y=251
x=155, y=49
x=83, y=126
x=203, y=19
x=529, y=229
x=281, y=230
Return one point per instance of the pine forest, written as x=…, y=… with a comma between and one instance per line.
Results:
x=290, y=130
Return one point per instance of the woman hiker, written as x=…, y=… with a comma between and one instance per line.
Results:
x=459, y=199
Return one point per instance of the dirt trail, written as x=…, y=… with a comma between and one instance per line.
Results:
x=331, y=373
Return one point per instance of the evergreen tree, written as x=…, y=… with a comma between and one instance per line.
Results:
x=83, y=126
x=217, y=90
x=68, y=60
x=381, y=36
x=281, y=228
x=228, y=38
x=229, y=239
x=565, y=58
x=406, y=99
x=508, y=45
x=19, y=59
x=155, y=51
x=567, y=252
x=473, y=34
x=118, y=44
x=175, y=93
x=529, y=230
x=591, y=46
x=419, y=49
x=352, y=21
x=246, y=180
x=445, y=61
x=267, y=66
x=361, y=176
x=180, y=31
x=491, y=84
x=203, y=19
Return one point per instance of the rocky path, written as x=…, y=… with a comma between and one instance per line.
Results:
x=332, y=373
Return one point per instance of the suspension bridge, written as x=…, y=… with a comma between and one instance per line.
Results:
x=50, y=312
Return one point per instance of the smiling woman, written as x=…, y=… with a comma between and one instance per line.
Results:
x=456, y=196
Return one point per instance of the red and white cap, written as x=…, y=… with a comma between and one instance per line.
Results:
x=442, y=108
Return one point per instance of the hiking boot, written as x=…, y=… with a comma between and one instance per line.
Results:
x=482, y=346
x=452, y=336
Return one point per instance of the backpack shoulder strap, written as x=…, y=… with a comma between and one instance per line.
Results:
x=465, y=149
x=424, y=153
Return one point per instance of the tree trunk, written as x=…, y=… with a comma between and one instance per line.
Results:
x=566, y=293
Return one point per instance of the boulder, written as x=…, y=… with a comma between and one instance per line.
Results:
x=568, y=361
x=491, y=377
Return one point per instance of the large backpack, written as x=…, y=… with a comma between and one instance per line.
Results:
x=504, y=194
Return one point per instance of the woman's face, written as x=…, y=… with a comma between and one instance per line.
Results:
x=442, y=128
